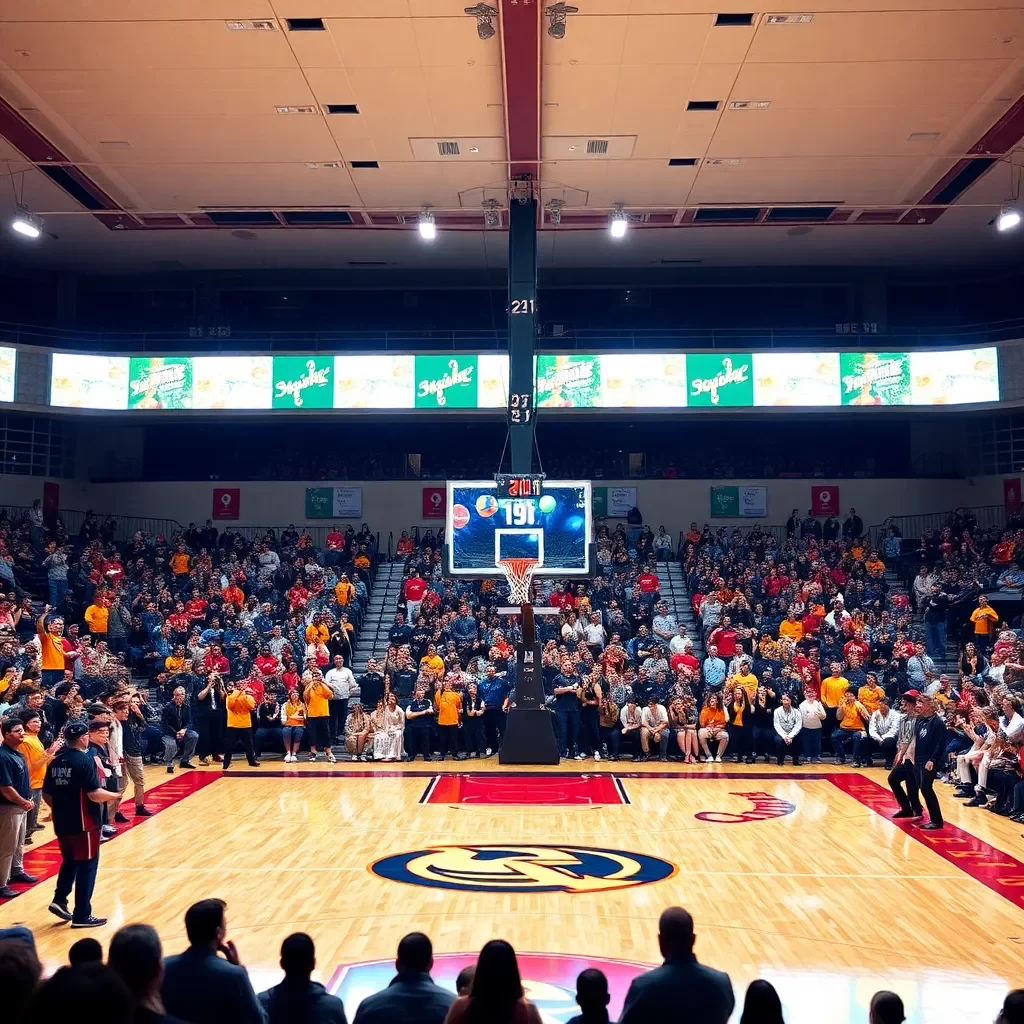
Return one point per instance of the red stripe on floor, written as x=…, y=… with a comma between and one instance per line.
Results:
x=526, y=789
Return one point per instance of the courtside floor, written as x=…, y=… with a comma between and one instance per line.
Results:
x=793, y=875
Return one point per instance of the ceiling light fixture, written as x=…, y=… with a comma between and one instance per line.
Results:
x=558, y=13
x=619, y=222
x=1009, y=218
x=26, y=223
x=484, y=15
x=428, y=229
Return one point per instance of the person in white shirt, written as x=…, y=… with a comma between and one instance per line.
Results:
x=981, y=744
x=664, y=625
x=654, y=729
x=838, y=616
x=788, y=723
x=595, y=635
x=680, y=643
x=924, y=583
x=883, y=731
x=632, y=723
x=1011, y=724
x=812, y=716
x=343, y=685
x=663, y=545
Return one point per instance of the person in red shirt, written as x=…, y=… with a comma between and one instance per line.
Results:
x=196, y=608
x=859, y=645
x=179, y=620
x=724, y=638
x=216, y=662
x=414, y=589
x=684, y=660
x=266, y=663
x=233, y=595
x=406, y=545
x=650, y=586
x=298, y=597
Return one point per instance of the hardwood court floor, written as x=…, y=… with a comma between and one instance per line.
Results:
x=807, y=884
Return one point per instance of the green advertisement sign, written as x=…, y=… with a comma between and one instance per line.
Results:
x=725, y=501
x=303, y=382
x=875, y=378
x=720, y=379
x=160, y=382
x=319, y=502
x=446, y=382
x=569, y=381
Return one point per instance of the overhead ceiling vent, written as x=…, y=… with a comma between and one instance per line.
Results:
x=340, y=108
x=721, y=161
x=750, y=104
x=734, y=19
x=327, y=165
x=305, y=24
x=727, y=215
x=363, y=165
x=703, y=104
x=301, y=218
x=447, y=149
x=585, y=147
x=236, y=218
x=304, y=109
x=261, y=25
x=683, y=161
x=788, y=214
x=790, y=19
x=597, y=147
x=676, y=261
x=459, y=149
x=923, y=136
x=115, y=144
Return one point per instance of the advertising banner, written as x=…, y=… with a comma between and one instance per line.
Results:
x=232, y=382
x=303, y=382
x=373, y=382
x=433, y=502
x=446, y=382
x=620, y=501
x=825, y=500
x=739, y=502
x=227, y=502
x=957, y=377
x=875, y=378
x=88, y=382
x=334, y=502
x=720, y=379
x=160, y=382
x=8, y=366
x=796, y=378
x=568, y=382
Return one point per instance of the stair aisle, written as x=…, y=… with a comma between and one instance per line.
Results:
x=948, y=663
x=380, y=615
x=677, y=597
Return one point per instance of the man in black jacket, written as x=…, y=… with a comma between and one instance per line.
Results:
x=929, y=752
x=853, y=526
x=680, y=989
x=297, y=1000
x=175, y=728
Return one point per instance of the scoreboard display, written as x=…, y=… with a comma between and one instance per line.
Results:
x=518, y=516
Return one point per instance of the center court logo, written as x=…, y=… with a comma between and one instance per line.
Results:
x=501, y=868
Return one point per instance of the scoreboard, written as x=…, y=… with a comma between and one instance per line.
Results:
x=520, y=486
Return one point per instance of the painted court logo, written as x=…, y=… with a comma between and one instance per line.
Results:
x=501, y=868
x=765, y=806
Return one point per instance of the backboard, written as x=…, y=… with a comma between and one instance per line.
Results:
x=482, y=528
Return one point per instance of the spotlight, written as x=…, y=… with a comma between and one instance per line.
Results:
x=619, y=222
x=492, y=218
x=26, y=223
x=558, y=13
x=1008, y=219
x=428, y=230
x=484, y=15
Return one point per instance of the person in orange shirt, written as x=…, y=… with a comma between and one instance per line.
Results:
x=985, y=619
x=317, y=632
x=37, y=757
x=317, y=696
x=874, y=565
x=712, y=728
x=51, y=644
x=344, y=592
x=449, y=716
x=791, y=627
x=851, y=728
x=871, y=694
x=240, y=704
x=180, y=561
x=233, y=595
x=97, y=616
x=433, y=661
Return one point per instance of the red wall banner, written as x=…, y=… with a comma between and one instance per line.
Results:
x=1011, y=495
x=433, y=502
x=227, y=502
x=824, y=500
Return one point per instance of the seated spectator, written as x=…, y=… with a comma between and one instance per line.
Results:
x=497, y=993
x=762, y=1004
x=20, y=971
x=85, y=951
x=412, y=996
x=136, y=955
x=592, y=997
x=655, y=994
x=712, y=728
x=886, y=1008
x=206, y=984
x=298, y=999
x=90, y=994
x=358, y=732
x=387, y=737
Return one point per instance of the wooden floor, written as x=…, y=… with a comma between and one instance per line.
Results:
x=830, y=899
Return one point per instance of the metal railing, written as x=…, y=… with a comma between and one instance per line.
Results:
x=913, y=526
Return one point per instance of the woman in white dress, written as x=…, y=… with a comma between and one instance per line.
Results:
x=387, y=736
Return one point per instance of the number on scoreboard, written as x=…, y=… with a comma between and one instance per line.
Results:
x=520, y=408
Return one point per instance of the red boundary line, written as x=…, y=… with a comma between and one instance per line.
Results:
x=44, y=862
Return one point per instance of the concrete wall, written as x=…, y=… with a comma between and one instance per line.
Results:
x=396, y=505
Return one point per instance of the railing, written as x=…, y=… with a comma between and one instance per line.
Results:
x=913, y=526
x=552, y=336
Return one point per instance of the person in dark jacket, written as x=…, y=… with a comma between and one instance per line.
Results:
x=297, y=1000
x=411, y=997
x=176, y=727
x=656, y=995
x=137, y=956
x=930, y=741
x=206, y=984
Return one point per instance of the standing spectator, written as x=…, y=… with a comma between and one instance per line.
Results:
x=903, y=771
x=475, y=738
x=207, y=984
x=887, y=1008
x=411, y=997
x=135, y=731
x=317, y=695
x=592, y=997
x=497, y=994
x=655, y=995
x=449, y=717
x=210, y=718
x=136, y=955
x=298, y=999
x=853, y=526
x=240, y=705
x=930, y=738
x=762, y=1004
x=985, y=618
x=293, y=725
x=37, y=757
x=15, y=805
x=343, y=686
x=175, y=728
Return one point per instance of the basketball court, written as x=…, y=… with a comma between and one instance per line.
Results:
x=796, y=876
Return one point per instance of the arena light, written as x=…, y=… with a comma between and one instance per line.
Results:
x=619, y=222
x=27, y=224
x=1008, y=219
x=428, y=229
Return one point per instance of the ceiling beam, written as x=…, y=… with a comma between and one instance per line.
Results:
x=520, y=59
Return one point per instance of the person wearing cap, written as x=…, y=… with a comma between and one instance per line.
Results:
x=73, y=792
x=15, y=805
x=930, y=738
x=903, y=771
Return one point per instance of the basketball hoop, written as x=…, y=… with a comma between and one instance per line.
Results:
x=519, y=574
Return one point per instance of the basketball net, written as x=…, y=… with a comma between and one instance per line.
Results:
x=519, y=574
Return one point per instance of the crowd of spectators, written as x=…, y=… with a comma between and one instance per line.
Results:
x=207, y=984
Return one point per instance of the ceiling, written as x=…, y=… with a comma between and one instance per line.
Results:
x=162, y=115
